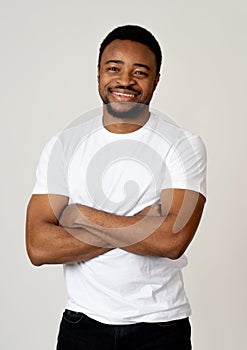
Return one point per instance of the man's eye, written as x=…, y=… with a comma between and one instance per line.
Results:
x=112, y=69
x=140, y=72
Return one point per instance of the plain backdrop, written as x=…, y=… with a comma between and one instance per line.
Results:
x=48, y=63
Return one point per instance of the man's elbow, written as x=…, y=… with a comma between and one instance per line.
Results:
x=35, y=255
x=174, y=252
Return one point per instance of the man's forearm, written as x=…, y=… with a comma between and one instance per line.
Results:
x=165, y=236
x=57, y=245
x=127, y=232
x=49, y=243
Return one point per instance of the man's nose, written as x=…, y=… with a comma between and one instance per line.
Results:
x=125, y=78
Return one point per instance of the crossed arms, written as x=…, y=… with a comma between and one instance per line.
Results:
x=60, y=233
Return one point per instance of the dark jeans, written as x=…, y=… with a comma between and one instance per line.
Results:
x=79, y=332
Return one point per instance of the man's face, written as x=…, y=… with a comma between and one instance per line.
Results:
x=127, y=77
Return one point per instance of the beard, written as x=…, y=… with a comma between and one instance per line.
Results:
x=133, y=110
x=123, y=110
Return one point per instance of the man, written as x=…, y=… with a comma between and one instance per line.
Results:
x=117, y=200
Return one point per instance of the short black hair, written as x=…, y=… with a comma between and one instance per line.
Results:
x=134, y=33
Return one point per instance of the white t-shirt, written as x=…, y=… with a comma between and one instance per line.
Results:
x=122, y=174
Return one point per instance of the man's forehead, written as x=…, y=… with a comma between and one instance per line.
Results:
x=119, y=50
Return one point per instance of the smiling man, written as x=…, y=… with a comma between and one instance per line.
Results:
x=127, y=78
x=117, y=201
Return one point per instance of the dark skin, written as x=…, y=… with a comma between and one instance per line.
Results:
x=132, y=65
x=162, y=230
x=49, y=243
x=127, y=73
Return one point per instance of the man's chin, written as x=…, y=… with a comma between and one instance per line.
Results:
x=125, y=110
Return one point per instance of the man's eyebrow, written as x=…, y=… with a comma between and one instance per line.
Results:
x=134, y=64
x=115, y=61
x=141, y=65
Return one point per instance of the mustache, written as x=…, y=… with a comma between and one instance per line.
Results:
x=123, y=87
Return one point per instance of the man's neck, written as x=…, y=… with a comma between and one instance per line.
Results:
x=124, y=125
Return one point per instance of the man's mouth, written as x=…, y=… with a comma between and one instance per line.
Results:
x=124, y=95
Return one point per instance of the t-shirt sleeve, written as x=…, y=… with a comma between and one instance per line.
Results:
x=51, y=174
x=186, y=165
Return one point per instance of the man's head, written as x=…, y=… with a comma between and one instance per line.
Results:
x=128, y=70
x=137, y=34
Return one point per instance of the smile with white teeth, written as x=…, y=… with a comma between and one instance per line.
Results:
x=124, y=94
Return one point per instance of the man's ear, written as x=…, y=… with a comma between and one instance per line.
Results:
x=157, y=78
x=98, y=74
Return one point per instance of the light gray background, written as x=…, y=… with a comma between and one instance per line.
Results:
x=48, y=78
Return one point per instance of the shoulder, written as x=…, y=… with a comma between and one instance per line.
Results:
x=174, y=134
x=66, y=141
